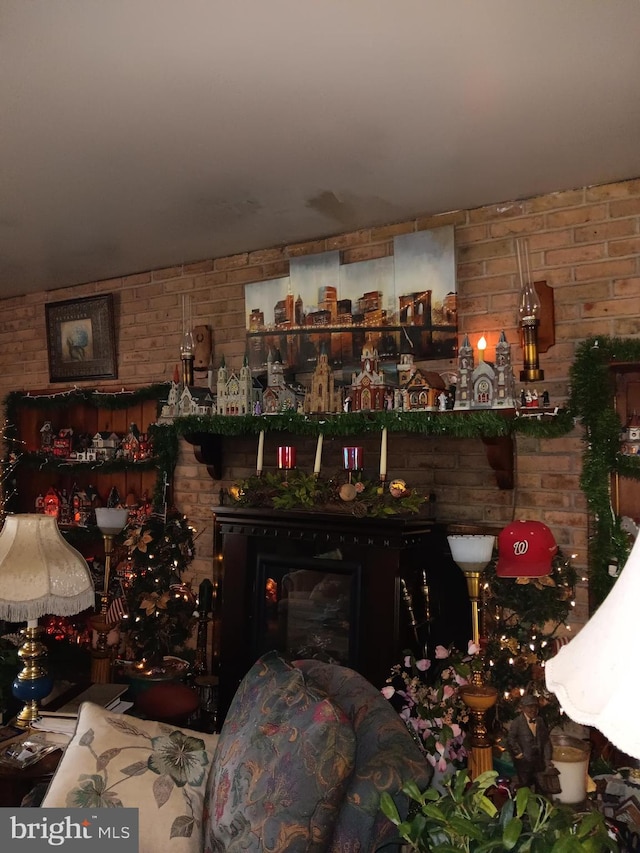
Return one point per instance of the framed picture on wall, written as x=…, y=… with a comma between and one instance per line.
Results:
x=81, y=340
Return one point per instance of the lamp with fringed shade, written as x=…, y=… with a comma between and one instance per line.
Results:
x=40, y=575
x=594, y=675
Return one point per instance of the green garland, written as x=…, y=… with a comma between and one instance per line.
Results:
x=299, y=491
x=477, y=424
x=85, y=396
x=592, y=401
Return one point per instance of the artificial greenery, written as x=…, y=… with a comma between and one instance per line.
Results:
x=592, y=401
x=85, y=396
x=523, y=617
x=161, y=608
x=474, y=424
x=476, y=817
x=300, y=491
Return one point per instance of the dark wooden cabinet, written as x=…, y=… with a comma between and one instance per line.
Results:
x=374, y=566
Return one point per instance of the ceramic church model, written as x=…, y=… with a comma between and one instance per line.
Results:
x=485, y=385
x=236, y=393
x=323, y=397
x=369, y=388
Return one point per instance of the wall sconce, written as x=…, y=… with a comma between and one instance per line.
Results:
x=528, y=316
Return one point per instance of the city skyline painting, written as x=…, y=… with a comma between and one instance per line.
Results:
x=403, y=302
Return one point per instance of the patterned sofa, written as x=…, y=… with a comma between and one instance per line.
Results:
x=303, y=756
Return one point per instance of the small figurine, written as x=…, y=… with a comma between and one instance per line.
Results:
x=346, y=406
x=545, y=398
x=442, y=401
x=529, y=743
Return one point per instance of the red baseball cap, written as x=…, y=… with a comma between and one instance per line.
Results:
x=525, y=550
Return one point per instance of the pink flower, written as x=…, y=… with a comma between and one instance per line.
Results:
x=472, y=648
x=407, y=661
x=388, y=692
x=441, y=653
x=423, y=665
x=447, y=691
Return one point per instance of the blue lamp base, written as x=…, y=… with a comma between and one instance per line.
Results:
x=33, y=682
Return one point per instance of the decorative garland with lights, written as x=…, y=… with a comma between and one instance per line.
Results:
x=592, y=401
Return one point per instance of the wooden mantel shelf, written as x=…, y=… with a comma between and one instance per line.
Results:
x=495, y=428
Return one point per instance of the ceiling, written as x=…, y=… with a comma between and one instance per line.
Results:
x=140, y=134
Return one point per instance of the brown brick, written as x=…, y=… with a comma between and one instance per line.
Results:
x=489, y=249
x=347, y=241
x=198, y=267
x=575, y=255
x=367, y=253
x=471, y=234
x=474, y=270
x=266, y=256
x=244, y=275
x=549, y=240
x=606, y=269
x=523, y=225
x=622, y=189
x=626, y=207
x=497, y=211
x=231, y=262
x=567, y=198
x=279, y=269
x=624, y=247
x=612, y=307
x=438, y=220
x=311, y=247
x=576, y=216
x=168, y=272
x=388, y=232
x=626, y=287
x=136, y=279
x=603, y=231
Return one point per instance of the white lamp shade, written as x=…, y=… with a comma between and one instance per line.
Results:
x=40, y=573
x=111, y=520
x=471, y=551
x=594, y=676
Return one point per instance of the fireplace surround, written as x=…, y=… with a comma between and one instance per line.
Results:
x=315, y=584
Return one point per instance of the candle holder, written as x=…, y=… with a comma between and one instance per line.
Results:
x=286, y=458
x=352, y=460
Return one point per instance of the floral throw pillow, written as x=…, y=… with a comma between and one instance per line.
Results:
x=117, y=760
x=283, y=762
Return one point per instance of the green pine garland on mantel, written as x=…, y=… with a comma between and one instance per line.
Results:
x=475, y=424
x=592, y=402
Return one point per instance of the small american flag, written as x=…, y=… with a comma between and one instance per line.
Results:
x=117, y=610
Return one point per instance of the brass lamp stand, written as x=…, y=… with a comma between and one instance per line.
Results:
x=472, y=553
x=111, y=522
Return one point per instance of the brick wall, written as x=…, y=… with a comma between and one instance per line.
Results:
x=585, y=243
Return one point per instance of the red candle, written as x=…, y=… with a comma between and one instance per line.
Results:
x=352, y=458
x=286, y=457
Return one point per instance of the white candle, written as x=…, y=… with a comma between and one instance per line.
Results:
x=383, y=454
x=316, y=464
x=260, y=461
x=482, y=345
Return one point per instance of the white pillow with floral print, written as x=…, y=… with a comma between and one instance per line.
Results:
x=117, y=760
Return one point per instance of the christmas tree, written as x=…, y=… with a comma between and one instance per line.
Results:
x=523, y=617
x=160, y=606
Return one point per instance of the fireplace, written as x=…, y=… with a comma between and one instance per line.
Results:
x=332, y=586
x=308, y=607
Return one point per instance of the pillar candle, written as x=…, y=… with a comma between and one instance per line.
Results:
x=318, y=460
x=482, y=345
x=260, y=460
x=383, y=454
